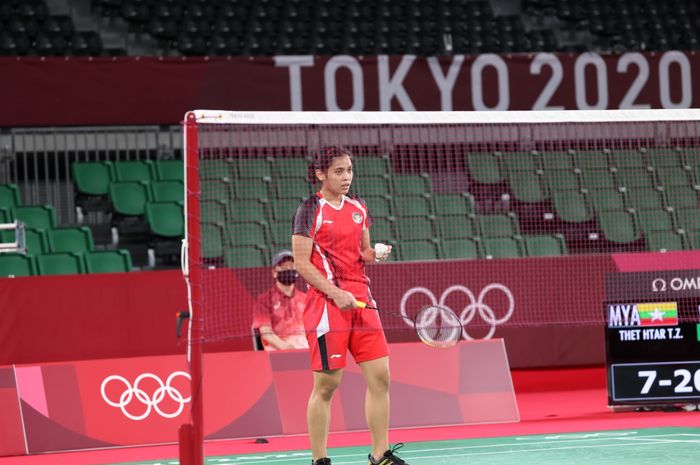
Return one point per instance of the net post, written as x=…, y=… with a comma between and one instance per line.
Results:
x=194, y=432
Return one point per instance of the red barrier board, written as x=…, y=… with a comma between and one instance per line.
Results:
x=148, y=90
x=120, y=402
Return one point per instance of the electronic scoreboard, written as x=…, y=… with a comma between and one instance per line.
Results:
x=652, y=337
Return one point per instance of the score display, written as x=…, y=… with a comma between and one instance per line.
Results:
x=652, y=337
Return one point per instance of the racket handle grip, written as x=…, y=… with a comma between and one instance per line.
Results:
x=360, y=304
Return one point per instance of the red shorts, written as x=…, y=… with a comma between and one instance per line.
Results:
x=333, y=332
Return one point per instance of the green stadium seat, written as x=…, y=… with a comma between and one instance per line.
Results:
x=70, y=240
x=596, y=160
x=620, y=227
x=552, y=245
x=290, y=167
x=415, y=250
x=247, y=234
x=498, y=225
x=36, y=241
x=527, y=187
x=628, y=159
x=645, y=198
x=258, y=168
x=281, y=234
x=6, y=215
x=561, y=180
x=634, y=177
x=456, y=226
x=134, y=170
x=454, y=204
x=412, y=205
x=379, y=206
x=597, y=179
x=665, y=241
x=464, y=248
x=412, y=184
x=284, y=209
x=557, y=161
x=655, y=220
x=672, y=176
x=129, y=198
x=108, y=261
x=212, y=241
x=292, y=188
x=694, y=238
x=92, y=178
x=214, y=211
x=9, y=196
x=484, y=168
x=571, y=206
x=688, y=218
x=245, y=257
x=502, y=247
x=366, y=186
x=247, y=210
x=16, y=264
x=168, y=191
x=371, y=166
x=217, y=190
x=36, y=216
x=60, y=263
x=416, y=227
x=383, y=230
x=170, y=170
x=662, y=158
x=520, y=161
x=606, y=199
x=681, y=197
x=165, y=219
x=223, y=169
x=690, y=156
x=695, y=175
x=251, y=189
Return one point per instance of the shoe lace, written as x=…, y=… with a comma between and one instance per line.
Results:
x=390, y=454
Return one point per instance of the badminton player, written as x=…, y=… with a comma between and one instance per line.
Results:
x=331, y=245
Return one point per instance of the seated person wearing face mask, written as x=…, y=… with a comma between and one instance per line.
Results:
x=279, y=312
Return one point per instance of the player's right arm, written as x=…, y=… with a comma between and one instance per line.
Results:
x=301, y=249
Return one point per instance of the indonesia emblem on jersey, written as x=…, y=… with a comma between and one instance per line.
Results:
x=357, y=217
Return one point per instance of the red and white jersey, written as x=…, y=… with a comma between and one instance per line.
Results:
x=337, y=236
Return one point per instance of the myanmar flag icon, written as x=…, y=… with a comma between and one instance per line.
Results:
x=658, y=314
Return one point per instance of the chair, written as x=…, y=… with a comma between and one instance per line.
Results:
x=597, y=179
x=170, y=170
x=217, y=190
x=168, y=191
x=502, y=247
x=454, y=204
x=134, y=170
x=484, y=168
x=659, y=158
x=16, y=264
x=571, y=206
x=412, y=184
x=217, y=168
x=247, y=234
x=607, y=199
x=284, y=209
x=672, y=176
x=681, y=197
x=527, y=187
x=629, y=159
x=9, y=196
x=645, y=198
x=594, y=160
x=165, y=219
x=281, y=234
x=60, y=263
x=561, y=180
x=286, y=167
x=245, y=257
x=416, y=250
x=212, y=241
x=557, y=161
x=36, y=216
x=92, y=178
x=70, y=240
x=417, y=227
x=620, y=227
x=655, y=220
x=688, y=218
x=291, y=188
x=520, y=161
x=665, y=241
x=379, y=206
x=383, y=230
x=257, y=168
x=498, y=225
x=108, y=261
x=462, y=248
x=129, y=198
x=552, y=245
x=214, y=211
x=247, y=210
x=456, y=226
x=367, y=185
x=412, y=205
x=372, y=166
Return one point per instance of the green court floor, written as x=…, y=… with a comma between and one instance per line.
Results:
x=655, y=446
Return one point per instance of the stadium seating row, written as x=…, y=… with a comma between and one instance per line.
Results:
x=101, y=261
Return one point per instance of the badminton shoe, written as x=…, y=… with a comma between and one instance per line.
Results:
x=389, y=457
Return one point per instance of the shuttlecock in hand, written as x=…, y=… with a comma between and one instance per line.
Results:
x=381, y=251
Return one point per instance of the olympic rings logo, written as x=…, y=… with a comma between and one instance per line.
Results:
x=138, y=394
x=469, y=312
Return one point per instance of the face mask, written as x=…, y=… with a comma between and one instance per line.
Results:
x=287, y=277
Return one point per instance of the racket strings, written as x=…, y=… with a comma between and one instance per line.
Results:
x=438, y=326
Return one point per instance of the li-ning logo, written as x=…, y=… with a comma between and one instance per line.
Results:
x=486, y=312
x=675, y=284
x=138, y=395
